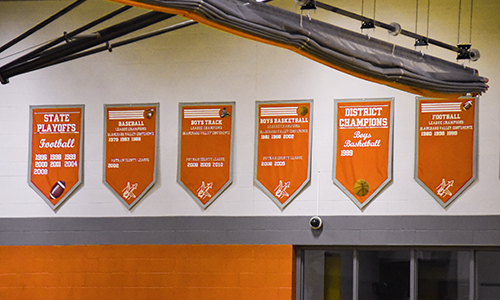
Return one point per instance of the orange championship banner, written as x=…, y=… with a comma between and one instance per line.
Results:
x=446, y=146
x=130, y=150
x=205, y=149
x=56, y=148
x=363, y=150
x=283, y=140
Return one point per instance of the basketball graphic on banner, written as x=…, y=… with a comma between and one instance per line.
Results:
x=361, y=187
x=303, y=110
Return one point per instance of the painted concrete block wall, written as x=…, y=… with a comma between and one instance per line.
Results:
x=243, y=272
x=199, y=64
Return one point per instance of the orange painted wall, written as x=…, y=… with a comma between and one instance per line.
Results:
x=147, y=272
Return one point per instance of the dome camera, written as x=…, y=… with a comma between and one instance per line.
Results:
x=315, y=222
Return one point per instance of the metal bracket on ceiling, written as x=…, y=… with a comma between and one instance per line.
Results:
x=467, y=53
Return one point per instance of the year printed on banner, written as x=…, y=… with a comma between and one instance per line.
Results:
x=346, y=152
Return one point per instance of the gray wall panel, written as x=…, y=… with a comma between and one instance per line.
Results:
x=337, y=230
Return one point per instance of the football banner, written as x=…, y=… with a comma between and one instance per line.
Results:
x=446, y=146
x=56, y=149
x=363, y=149
x=205, y=153
x=283, y=140
x=130, y=150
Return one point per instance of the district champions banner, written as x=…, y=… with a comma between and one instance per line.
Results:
x=283, y=148
x=205, y=149
x=446, y=146
x=130, y=150
x=363, y=147
x=56, y=147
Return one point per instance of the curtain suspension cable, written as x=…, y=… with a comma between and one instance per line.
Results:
x=470, y=25
x=416, y=18
x=459, y=17
x=428, y=16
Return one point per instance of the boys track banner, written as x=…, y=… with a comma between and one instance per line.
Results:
x=446, y=146
x=363, y=149
x=56, y=148
x=130, y=150
x=283, y=148
x=205, y=149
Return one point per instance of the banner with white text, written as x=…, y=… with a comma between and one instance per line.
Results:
x=130, y=150
x=283, y=142
x=446, y=146
x=56, y=146
x=205, y=149
x=363, y=147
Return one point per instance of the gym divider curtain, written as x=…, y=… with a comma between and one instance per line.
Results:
x=344, y=50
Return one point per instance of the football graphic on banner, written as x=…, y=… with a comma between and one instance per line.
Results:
x=57, y=189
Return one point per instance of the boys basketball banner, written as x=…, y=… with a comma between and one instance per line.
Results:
x=130, y=150
x=56, y=148
x=446, y=146
x=363, y=150
x=205, y=149
x=283, y=148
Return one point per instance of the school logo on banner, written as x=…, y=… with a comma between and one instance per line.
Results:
x=130, y=148
x=56, y=144
x=205, y=149
x=363, y=147
x=283, y=148
x=446, y=146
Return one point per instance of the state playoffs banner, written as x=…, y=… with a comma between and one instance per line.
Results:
x=205, y=149
x=446, y=146
x=363, y=150
x=130, y=150
x=56, y=148
x=283, y=148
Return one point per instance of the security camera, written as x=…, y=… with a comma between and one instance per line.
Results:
x=315, y=222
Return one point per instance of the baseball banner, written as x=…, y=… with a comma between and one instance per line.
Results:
x=130, y=150
x=283, y=140
x=205, y=149
x=363, y=148
x=446, y=146
x=56, y=148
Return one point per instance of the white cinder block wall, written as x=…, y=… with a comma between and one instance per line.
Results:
x=202, y=64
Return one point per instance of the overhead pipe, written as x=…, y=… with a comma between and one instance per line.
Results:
x=65, y=37
x=109, y=47
x=390, y=27
x=41, y=25
x=75, y=46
